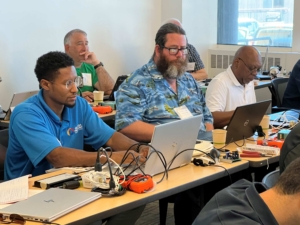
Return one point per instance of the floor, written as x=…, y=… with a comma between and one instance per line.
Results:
x=150, y=215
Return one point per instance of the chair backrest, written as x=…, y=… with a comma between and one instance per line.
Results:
x=3, y=147
x=271, y=178
x=279, y=86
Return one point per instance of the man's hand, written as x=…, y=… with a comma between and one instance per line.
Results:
x=118, y=156
x=89, y=96
x=90, y=58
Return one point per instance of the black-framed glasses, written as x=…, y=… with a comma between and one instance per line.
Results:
x=174, y=51
x=78, y=82
x=251, y=70
x=14, y=218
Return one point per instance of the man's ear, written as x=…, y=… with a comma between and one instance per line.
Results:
x=44, y=84
x=157, y=50
x=67, y=47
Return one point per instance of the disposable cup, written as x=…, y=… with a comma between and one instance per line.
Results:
x=264, y=123
x=219, y=138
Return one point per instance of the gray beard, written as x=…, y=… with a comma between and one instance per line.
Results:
x=173, y=72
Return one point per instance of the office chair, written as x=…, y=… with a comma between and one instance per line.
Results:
x=271, y=178
x=277, y=90
x=3, y=147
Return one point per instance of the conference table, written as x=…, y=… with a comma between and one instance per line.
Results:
x=180, y=179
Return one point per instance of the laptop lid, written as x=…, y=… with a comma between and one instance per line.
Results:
x=245, y=119
x=119, y=81
x=170, y=139
x=50, y=204
x=17, y=99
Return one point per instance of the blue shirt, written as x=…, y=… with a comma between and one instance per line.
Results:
x=146, y=96
x=35, y=130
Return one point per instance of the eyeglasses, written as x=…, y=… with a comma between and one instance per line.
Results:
x=251, y=70
x=14, y=218
x=78, y=82
x=174, y=51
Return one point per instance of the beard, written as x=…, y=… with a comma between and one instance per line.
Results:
x=70, y=105
x=171, y=69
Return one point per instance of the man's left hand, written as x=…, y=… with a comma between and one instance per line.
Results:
x=90, y=58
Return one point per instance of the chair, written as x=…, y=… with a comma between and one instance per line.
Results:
x=3, y=147
x=271, y=178
x=277, y=90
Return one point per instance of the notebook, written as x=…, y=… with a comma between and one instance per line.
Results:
x=170, y=139
x=245, y=119
x=119, y=81
x=50, y=204
x=17, y=99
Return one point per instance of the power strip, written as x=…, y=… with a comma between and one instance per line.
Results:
x=262, y=149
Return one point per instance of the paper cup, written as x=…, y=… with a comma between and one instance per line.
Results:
x=264, y=123
x=219, y=138
x=98, y=97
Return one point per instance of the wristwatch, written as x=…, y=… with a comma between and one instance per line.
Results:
x=100, y=64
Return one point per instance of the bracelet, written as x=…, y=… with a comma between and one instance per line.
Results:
x=99, y=64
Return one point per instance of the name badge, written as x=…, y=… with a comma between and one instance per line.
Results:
x=190, y=66
x=87, y=79
x=183, y=112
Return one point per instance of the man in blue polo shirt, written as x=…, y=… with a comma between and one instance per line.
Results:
x=49, y=129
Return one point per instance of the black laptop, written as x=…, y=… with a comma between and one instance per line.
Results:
x=119, y=81
x=245, y=120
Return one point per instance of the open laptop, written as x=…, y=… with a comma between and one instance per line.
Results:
x=245, y=120
x=119, y=81
x=17, y=99
x=50, y=204
x=170, y=139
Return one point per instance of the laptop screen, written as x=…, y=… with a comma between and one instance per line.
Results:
x=245, y=120
x=116, y=87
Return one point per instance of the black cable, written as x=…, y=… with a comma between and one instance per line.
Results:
x=98, y=165
x=225, y=170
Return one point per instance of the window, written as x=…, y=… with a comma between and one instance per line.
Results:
x=255, y=22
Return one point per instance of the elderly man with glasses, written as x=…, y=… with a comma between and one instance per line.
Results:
x=152, y=93
x=234, y=87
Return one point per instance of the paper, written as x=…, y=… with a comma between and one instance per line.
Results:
x=30, y=193
x=14, y=190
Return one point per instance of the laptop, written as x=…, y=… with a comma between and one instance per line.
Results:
x=17, y=99
x=119, y=81
x=245, y=119
x=50, y=204
x=170, y=139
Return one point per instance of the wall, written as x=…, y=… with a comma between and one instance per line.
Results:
x=121, y=33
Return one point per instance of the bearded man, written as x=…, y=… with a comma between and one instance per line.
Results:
x=150, y=94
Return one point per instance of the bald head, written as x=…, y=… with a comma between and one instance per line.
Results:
x=246, y=64
x=247, y=51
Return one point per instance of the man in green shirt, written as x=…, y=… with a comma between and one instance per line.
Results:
x=92, y=71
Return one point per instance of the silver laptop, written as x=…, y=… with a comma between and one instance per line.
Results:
x=170, y=139
x=17, y=99
x=50, y=204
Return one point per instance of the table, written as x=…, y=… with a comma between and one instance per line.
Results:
x=259, y=166
x=104, y=117
x=178, y=181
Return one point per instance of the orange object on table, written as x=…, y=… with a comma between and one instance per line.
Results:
x=102, y=109
x=277, y=144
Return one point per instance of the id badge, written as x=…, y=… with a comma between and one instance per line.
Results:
x=190, y=66
x=87, y=79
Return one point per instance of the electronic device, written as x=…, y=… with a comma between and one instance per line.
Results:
x=55, y=181
x=17, y=99
x=267, y=150
x=119, y=81
x=245, y=120
x=50, y=204
x=264, y=76
x=170, y=139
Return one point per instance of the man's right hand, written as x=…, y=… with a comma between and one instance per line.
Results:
x=87, y=95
